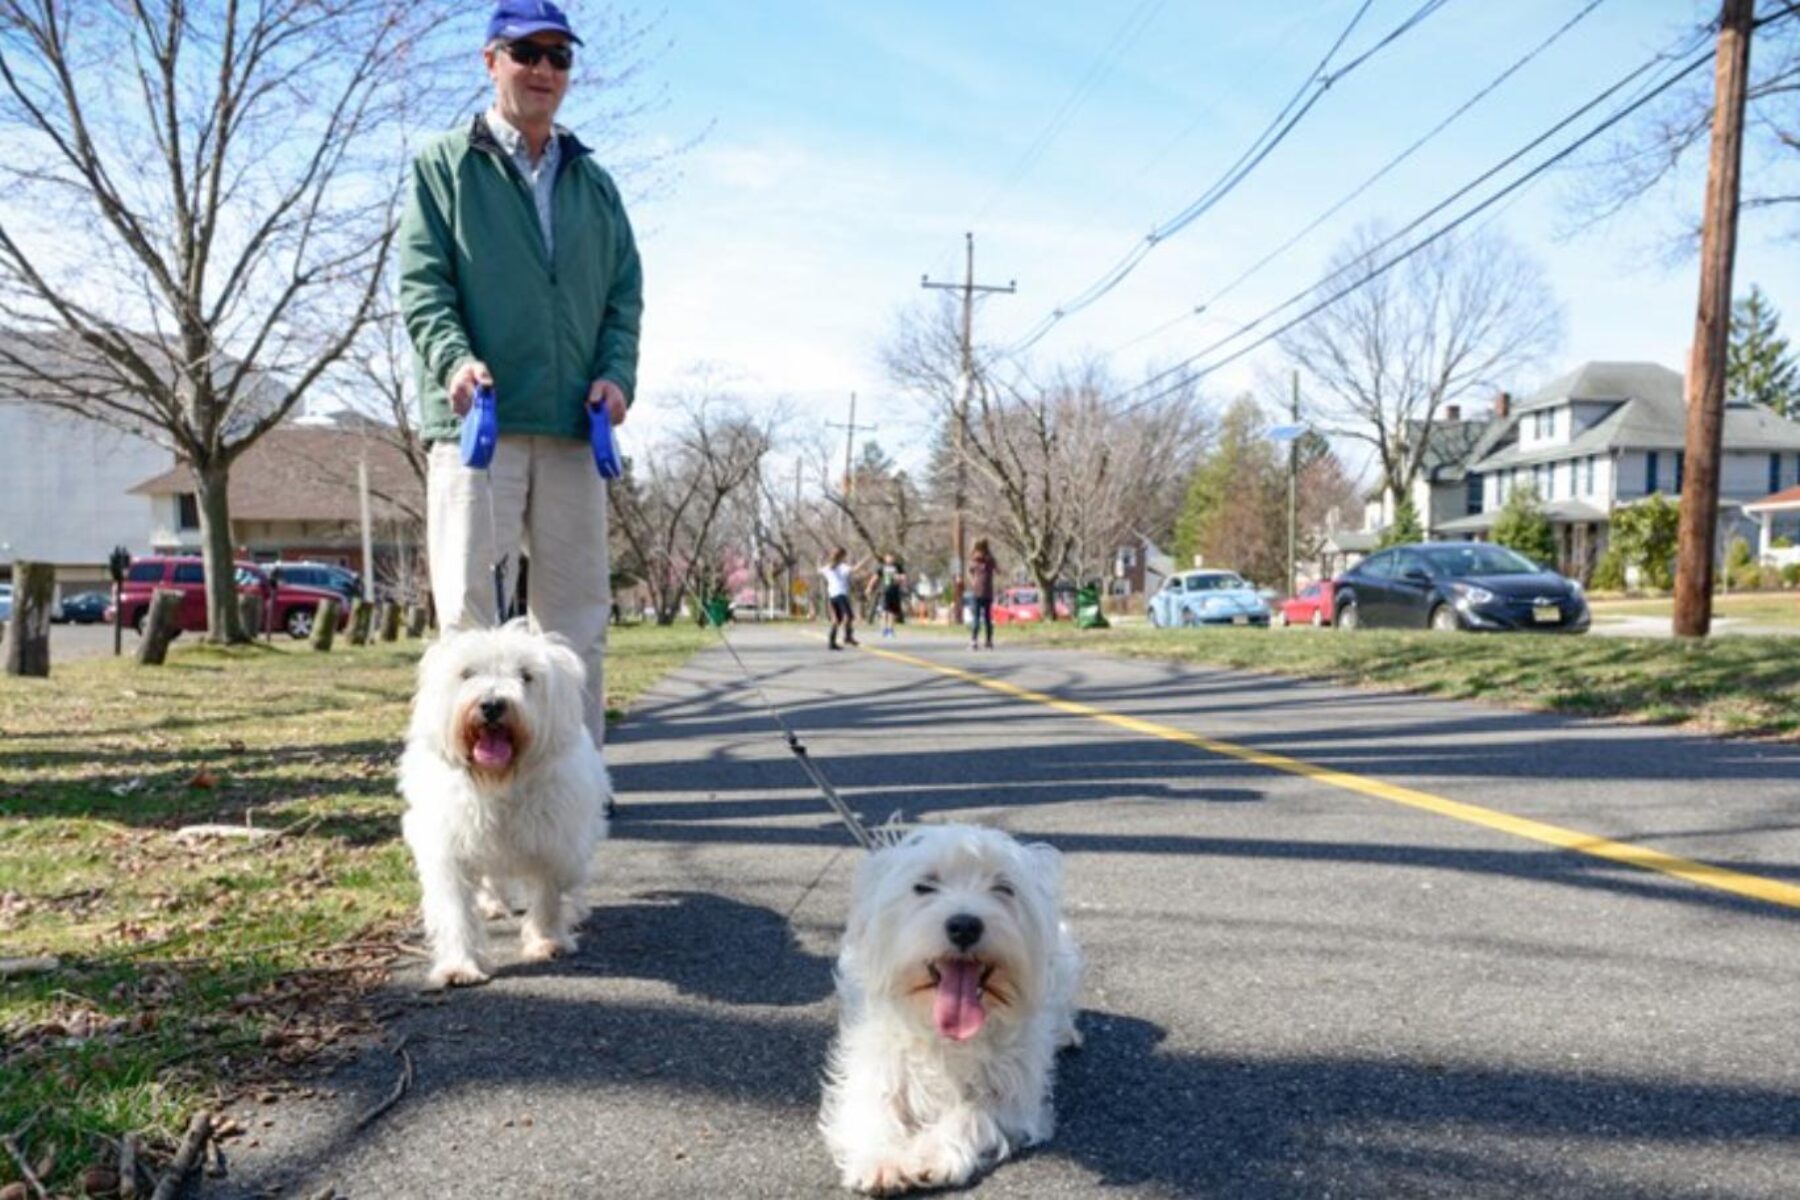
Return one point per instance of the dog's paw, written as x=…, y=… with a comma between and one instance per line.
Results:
x=879, y=1177
x=543, y=948
x=455, y=974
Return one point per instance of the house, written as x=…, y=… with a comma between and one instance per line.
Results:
x=295, y=494
x=1604, y=434
x=1139, y=568
x=66, y=497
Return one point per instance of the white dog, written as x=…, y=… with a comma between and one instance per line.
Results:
x=956, y=986
x=503, y=788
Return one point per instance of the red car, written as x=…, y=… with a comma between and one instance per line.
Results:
x=1311, y=607
x=288, y=606
x=1016, y=605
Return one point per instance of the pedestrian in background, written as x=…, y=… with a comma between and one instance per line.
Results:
x=889, y=583
x=982, y=569
x=837, y=573
x=518, y=270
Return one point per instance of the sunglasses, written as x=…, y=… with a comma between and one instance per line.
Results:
x=529, y=54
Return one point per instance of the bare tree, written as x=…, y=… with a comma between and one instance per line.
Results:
x=197, y=206
x=1461, y=316
x=671, y=504
x=1665, y=146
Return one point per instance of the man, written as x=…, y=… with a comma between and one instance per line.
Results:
x=518, y=270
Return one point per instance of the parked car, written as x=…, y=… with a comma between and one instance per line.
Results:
x=1208, y=598
x=342, y=580
x=291, y=607
x=1458, y=585
x=83, y=608
x=1024, y=604
x=1310, y=606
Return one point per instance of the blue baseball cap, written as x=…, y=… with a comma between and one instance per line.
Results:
x=514, y=19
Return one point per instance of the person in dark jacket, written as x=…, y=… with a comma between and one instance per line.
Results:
x=519, y=271
x=982, y=569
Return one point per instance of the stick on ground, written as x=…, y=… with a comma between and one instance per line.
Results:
x=18, y=1157
x=400, y=1084
x=198, y=1131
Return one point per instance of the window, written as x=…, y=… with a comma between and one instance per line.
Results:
x=1537, y=480
x=1774, y=472
x=1680, y=464
x=1589, y=489
x=148, y=572
x=187, y=512
x=1380, y=566
x=1650, y=465
x=189, y=573
x=1473, y=494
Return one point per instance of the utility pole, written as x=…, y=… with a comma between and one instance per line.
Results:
x=968, y=287
x=1293, y=522
x=1712, y=326
x=850, y=429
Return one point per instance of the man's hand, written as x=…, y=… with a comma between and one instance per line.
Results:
x=605, y=391
x=463, y=383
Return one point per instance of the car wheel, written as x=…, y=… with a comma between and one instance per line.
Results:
x=1188, y=619
x=1443, y=620
x=1348, y=619
x=299, y=622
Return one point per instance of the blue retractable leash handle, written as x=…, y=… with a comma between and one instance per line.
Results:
x=480, y=429
x=606, y=449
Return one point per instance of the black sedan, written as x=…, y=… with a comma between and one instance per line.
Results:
x=88, y=608
x=1458, y=585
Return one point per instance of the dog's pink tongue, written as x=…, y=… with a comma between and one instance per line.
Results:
x=957, y=1009
x=493, y=748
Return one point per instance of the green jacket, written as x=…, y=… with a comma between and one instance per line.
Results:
x=475, y=282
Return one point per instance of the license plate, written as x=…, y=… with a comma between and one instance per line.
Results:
x=1240, y=620
x=1546, y=614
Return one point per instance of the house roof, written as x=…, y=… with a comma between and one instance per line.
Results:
x=1452, y=442
x=308, y=473
x=1776, y=501
x=1559, y=512
x=1652, y=417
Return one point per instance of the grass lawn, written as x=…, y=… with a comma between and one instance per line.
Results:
x=1730, y=685
x=1752, y=608
x=184, y=963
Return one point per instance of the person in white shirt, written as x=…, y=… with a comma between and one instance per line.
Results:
x=837, y=593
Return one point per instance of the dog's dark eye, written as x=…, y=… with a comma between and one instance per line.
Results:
x=524, y=676
x=468, y=672
x=1004, y=888
x=924, y=889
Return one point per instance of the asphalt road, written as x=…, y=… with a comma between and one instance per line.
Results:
x=1296, y=988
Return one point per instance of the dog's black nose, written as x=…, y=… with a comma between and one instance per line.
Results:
x=964, y=930
x=492, y=710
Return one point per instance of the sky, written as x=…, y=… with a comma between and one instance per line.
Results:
x=848, y=147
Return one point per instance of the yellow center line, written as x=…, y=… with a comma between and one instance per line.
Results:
x=1754, y=887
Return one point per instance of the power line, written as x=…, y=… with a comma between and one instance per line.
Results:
x=1517, y=65
x=1309, y=94
x=1128, y=31
x=1377, y=272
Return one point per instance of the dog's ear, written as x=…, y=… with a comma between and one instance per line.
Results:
x=1046, y=866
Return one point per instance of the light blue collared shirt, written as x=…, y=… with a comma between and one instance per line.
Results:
x=541, y=175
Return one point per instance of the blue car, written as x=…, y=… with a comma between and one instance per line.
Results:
x=1208, y=598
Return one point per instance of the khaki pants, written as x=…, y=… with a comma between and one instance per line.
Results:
x=549, y=499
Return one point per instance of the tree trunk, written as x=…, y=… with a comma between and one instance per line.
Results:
x=250, y=611
x=362, y=618
x=222, y=623
x=1046, y=589
x=325, y=623
x=28, y=635
x=390, y=621
x=161, y=625
x=416, y=619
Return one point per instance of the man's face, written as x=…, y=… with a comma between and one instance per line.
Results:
x=528, y=96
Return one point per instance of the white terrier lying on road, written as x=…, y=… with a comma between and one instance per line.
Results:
x=956, y=987
x=503, y=788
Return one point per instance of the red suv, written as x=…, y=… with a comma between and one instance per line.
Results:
x=288, y=606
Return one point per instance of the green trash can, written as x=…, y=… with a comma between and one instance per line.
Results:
x=1088, y=613
x=718, y=611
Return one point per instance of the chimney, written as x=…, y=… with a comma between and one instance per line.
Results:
x=1502, y=404
x=1452, y=412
